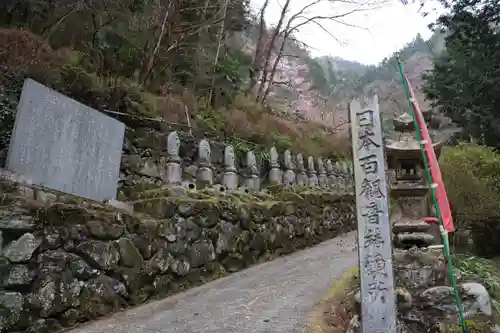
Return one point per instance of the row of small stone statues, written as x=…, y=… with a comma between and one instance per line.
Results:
x=338, y=176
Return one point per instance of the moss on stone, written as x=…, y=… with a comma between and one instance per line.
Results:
x=473, y=325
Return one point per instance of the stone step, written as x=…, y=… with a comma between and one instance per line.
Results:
x=410, y=227
x=417, y=239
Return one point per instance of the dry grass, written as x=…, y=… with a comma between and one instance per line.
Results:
x=22, y=49
x=333, y=313
x=253, y=123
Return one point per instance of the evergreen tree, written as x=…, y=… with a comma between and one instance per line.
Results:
x=465, y=82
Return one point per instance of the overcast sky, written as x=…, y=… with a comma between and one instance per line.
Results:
x=379, y=32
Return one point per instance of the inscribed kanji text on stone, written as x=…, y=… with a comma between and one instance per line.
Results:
x=374, y=234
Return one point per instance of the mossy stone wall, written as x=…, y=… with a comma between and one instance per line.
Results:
x=71, y=261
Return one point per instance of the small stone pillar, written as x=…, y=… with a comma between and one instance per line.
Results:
x=275, y=171
x=322, y=180
x=204, y=175
x=289, y=175
x=174, y=169
x=252, y=180
x=230, y=177
x=302, y=179
x=313, y=177
x=332, y=181
x=340, y=177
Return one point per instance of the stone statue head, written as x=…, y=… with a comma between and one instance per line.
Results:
x=173, y=144
x=287, y=160
x=329, y=166
x=251, y=161
x=300, y=161
x=310, y=163
x=319, y=162
x=273, y=156
x=204, y=152
x=229, y=158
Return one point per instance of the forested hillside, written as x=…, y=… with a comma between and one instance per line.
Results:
x=210, y=67
x=343, y=80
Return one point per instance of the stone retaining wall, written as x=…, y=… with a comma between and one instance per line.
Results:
x=71, y=261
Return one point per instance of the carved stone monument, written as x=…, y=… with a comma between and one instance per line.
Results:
x=289, y=174
x=174, y=169
x=311, y=172
x=302, y=179
x=252, y=180
x=332, y=180
x=275, y=171
x=230, y=178
x=322, y=180
x=410, y=188
x=64, y=145
x=204, y=175
x=378, y=298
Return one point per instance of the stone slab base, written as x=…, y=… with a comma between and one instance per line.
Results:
x=48, y=196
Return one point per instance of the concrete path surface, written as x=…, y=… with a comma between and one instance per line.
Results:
x=274, y=297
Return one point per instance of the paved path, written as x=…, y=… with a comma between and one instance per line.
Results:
x=274, y=297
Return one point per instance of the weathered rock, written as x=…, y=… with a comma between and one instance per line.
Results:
x=144, y=238
x=22, y=249
x=475, y=300
x=417, y=238
x=192, y=230
x=55, y=293
x=180, y=266
x=105, y=255
x=161, y=284
x=52, y=238
x=150, y=169
x=482, y=301
x=222, y=244
x=70, y=317
x=186, y=209
x=105, y=229
x=168, y=230
x=160, y=262
x=18, y=223
x=11, y=305
x=78, y=267
x=101, y=296
x=201, y=253
x=129, y=254
x=44, y=326
x=410, y=227
x=15, y=275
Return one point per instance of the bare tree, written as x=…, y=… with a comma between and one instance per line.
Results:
x=219, y=45
x=295, y=22
x=277, y=32
x=261, y=43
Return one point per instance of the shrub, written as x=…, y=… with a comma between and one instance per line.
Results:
x=21, y=50
x=472, y=177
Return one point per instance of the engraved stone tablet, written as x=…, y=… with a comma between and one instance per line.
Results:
x=64, y=145
x=378, y=305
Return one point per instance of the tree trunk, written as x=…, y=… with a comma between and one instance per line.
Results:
x=217, y=53
x=270, y=50
x=256, y=66
x=152, y=56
